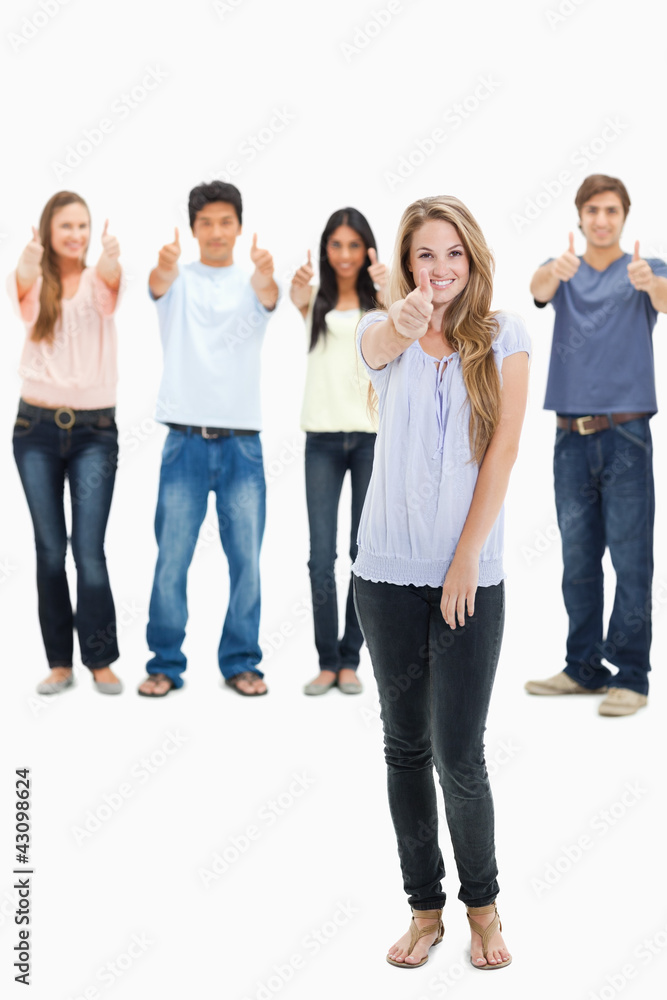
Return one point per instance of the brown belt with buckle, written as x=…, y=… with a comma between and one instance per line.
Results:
x=65, y=417
x=211, y=432
x=598, y=422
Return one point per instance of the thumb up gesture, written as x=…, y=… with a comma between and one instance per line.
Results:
x=110, y=245
x=639, y=271
x=262, y=259
x=412, y=315
x=377, y=271
x=168, y=257
x=567, y=265
x=30, y=262
x=300, y=287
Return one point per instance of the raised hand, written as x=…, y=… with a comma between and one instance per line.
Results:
x=300, y=289
x=167, y=260
x=303, y=275
x=412, y=315
x=110, y=245
x=262, y=259
x=29, y=266
x=567, y=265
x=377, y=271
x=639, y=271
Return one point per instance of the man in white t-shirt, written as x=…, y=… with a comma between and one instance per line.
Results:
x=212, y=318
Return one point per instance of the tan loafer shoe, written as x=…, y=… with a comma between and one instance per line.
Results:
x=622, y=701
x=561, y=683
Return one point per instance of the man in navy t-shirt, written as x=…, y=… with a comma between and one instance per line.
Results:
x=602, y=385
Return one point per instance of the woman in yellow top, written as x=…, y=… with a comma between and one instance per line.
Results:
x=339, y=432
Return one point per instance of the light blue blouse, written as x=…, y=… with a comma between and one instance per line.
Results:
x=423, y=480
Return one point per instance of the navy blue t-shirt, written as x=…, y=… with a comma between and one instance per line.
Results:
x=602, y=349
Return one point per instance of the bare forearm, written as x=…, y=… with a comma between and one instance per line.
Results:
x=109, y=272
x=544, y=285
x=488, y=498
x=381, y=343
x=266, y=292
x=160, y=281
x=658, y=293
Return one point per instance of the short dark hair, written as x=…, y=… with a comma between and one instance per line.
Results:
x=205, y=194
x=598, y=184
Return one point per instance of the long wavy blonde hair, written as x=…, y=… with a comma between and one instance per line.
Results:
x=468, y=323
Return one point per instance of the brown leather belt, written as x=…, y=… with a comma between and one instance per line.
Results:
x=592, y=424
x=212, y=432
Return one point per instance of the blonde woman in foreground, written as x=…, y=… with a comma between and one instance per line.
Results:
x=451, y=379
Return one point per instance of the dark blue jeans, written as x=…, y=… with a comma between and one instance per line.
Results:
x=86, y=455
x=192, y=466
x=435, y=686
x=605, y=497
x=328, y=457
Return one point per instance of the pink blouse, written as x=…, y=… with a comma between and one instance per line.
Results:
x=78, y=367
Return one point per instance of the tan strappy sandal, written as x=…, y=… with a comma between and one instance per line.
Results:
x=486, y=933
x=416, y=934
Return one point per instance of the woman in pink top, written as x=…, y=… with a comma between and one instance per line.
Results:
x=65, y=429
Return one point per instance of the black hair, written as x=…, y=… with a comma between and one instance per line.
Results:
x=327, y=295
x=205, y=194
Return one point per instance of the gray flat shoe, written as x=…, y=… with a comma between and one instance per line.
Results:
x=55, y=687
x=108, y=687
x=351, y=687
x=313, y=688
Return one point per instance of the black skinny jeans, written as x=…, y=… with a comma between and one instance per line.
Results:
x=435, y=686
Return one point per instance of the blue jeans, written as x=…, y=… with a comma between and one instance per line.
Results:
x=605, y=497
x=328, y=458
x=192, y=466
x=435, y=685
x=87, y=455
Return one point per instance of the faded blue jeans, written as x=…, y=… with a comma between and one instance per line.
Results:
x=192, y=466
x=435, y=686
x=605, y=498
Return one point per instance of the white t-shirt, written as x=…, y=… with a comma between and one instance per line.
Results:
x=212, y=327
x=336, y=391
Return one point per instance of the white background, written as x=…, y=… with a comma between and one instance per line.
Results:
x=556, y=765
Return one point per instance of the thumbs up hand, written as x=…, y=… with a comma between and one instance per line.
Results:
x=377, y=271
x=110, y=245
x=300, y=288
x=167, y=261
x=567, y=265
x=262, y=259
x=412, y=315
x=29, y=267
x=639, y=272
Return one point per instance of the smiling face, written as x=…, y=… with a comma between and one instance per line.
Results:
x=70, y=231
x=346, y=252
x=436, y=246
x=602, y=218
x=216, y=228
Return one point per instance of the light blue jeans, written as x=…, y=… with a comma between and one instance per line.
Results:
x=192, y=466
